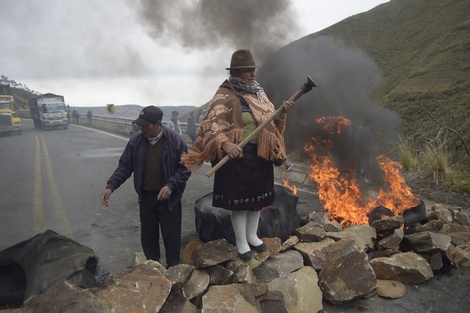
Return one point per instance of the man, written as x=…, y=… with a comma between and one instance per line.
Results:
x=153, y=155
x=174, y=123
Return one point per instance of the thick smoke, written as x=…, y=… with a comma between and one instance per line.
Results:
x=261, y=26
x=346, y=78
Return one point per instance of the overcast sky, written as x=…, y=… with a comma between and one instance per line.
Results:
x=166, y=53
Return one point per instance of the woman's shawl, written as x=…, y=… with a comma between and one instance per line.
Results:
x=223, y=122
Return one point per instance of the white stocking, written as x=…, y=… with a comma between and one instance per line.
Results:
x=252, y=222
x=239, y=228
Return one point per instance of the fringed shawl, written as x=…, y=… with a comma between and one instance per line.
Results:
x=223, y=122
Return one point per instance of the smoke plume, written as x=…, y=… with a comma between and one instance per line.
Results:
x=345, y=77
x=261, y=26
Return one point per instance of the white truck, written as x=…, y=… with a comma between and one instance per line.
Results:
x=48, y=111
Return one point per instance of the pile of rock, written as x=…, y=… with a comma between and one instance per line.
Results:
x=322, y=261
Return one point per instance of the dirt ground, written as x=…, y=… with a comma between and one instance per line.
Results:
x=440, y=193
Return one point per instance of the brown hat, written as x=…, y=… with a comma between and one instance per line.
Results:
x=242, y=59
x=150, y=114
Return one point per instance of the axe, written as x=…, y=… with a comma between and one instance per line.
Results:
x=303, y=90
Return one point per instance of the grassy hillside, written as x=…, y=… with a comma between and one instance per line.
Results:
x=422, y=47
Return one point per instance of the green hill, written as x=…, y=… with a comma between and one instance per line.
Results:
x=422, y=48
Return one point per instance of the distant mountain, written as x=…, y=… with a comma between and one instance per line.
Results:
x=132, y=111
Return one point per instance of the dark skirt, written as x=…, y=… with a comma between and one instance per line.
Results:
x=244, y=184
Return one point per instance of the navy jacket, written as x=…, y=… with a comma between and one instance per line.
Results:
x=133, y=158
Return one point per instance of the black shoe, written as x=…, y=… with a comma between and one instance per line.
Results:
x=245, y=256
x=260, y=248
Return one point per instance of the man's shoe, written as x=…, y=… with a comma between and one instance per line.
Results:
x=289, y=166
x=245, y=256
x=260, y=248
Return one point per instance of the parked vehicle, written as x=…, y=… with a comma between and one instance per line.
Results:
x=9, y=120
x=48, y=111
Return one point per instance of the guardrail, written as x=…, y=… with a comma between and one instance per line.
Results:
x=118, y=125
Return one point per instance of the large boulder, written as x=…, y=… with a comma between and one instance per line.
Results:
x=279, y=220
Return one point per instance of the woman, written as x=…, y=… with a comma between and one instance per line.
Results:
x=245, y=184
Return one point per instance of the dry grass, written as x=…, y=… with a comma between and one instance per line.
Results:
x=436, y=164
x=407, y=154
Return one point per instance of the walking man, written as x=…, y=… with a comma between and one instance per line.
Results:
x=153, y=155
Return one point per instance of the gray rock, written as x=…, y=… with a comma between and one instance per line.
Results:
x=278, y=265
x=177, y=303
x=219, y=275
x=439, y=213
x=65, y=296
x=392, y=241
x=363, y=235
x=196, y=285
x=459, y=256
x=428, y=242
x=235, y=298
x=300, y=290
x=314, y=253
x=311, y=232
x=386, y=225
x=244, y=274
x=178, y=275
x=408, y=268
x=289, y=243
x=139, y=290
x=461, y=217
x=213, y=253
x=346, y=273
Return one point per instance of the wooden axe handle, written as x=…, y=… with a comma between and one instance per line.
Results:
x=303, y=90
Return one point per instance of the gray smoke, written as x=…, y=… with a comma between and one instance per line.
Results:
x=346, y=77
x=261, y=26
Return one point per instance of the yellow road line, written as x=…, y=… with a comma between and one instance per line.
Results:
x=64, y=224
x=38, y=210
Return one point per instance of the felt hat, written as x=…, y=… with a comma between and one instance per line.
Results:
x=150, y=114
x=242, y=59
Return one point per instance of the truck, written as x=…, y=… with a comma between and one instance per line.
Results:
x=9, y=120
x=48, y=111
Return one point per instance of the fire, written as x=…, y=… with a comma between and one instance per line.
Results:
x=286, y=183
x=339, y=190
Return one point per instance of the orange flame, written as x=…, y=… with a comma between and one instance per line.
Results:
x=286, y=183
x=339, y=191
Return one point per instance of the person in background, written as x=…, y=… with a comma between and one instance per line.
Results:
x=201, y=116
x=89, y=115
x=173, y=123
x=245, y=184
x=153, y=156
x=75, y=116
x=68, y=114
x=191, y=127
